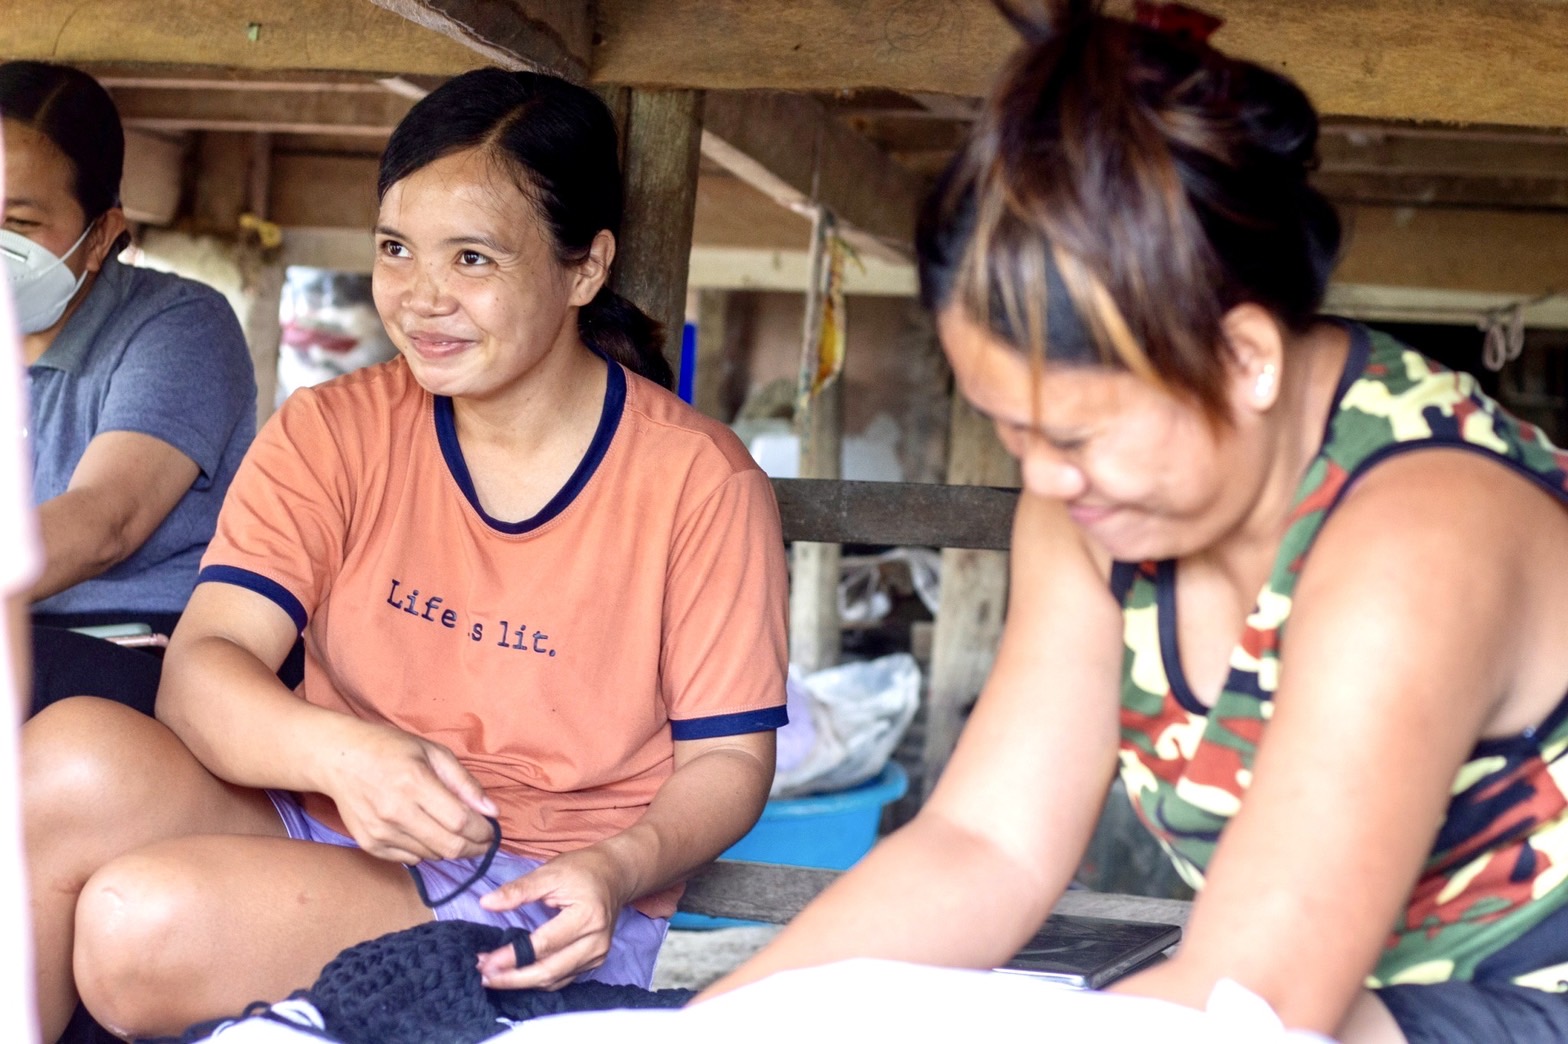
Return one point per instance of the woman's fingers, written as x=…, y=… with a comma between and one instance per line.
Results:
x=458, y=782
x=575, y=940
x=414, y=798
x=555, y=963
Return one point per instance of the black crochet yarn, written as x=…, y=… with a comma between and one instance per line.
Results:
x=421, y=986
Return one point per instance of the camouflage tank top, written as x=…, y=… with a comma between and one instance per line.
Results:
x=1499, y=869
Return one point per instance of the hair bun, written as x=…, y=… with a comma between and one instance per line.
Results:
x=1277, y=115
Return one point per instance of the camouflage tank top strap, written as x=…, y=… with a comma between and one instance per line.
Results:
x=1186, y=768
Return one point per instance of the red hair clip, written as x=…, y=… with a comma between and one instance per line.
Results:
x=1178, y=20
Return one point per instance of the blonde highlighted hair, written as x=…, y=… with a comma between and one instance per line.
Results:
x=1123, y=188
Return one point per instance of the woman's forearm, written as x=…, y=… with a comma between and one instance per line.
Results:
x=81, y=540
x=241, y=722
x=123, y=488
x=705, y=806
x=931, y=892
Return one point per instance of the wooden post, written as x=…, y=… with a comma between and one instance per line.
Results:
x=263, y=324
x=223, y=183
x=713, y=339
x=814, y=638
x=234, y=177
x=661, y=133
x=263, y=270
x=974, y=596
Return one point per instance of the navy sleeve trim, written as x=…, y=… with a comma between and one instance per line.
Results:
x=730, y=724
x=265, y=586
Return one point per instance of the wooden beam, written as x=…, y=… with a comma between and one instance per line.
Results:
x=1404, y=304
x=1481, y=250
x=793, y=151
x=920, y=514
x=910, y=45
x=547, y=35
x=1459, y=152
x=324, y=191
x=169, y=75
x=1434, y=190
x=660, y=143
x=370, y=113
x=730, y=213
x=739, y=268
x=1386, y=59
x=1356, y=57
x=1503, y=169
x=280, y=34
x=154, y=174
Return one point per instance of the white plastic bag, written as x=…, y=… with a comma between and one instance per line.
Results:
x=859, y=712
x=864, y=594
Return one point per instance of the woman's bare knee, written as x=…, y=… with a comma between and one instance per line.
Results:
x=80, y=773
x=129, y=962
x=196, y=928
x=89, y=757
x=100, y=781
x=100, y=777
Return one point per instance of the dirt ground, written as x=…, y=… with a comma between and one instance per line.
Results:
x=693, y=959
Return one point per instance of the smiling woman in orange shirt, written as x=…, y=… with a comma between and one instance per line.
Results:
x=543, y=609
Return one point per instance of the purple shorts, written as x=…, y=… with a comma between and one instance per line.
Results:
x=633, y=950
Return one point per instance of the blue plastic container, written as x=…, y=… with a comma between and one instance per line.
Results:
x=826, y=830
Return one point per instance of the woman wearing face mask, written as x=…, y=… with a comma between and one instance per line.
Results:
x=543, y=608
x=141, y=389
x=1300, y=585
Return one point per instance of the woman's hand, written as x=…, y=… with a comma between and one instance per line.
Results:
x=585, y=886
x=403, y=798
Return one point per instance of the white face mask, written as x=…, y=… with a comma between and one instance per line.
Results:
x=41, y=285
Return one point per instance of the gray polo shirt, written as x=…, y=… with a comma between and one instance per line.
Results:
x=153, y=353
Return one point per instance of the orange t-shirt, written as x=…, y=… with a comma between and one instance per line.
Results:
x=559, y=657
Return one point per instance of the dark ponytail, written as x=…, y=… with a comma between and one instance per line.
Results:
x=559, y=141
x=619, y=329
x=74, y=112
x=1153, y=181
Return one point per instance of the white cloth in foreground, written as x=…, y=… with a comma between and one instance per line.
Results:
x=869, y=1000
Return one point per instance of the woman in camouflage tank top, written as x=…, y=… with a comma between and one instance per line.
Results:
x=1301, y=586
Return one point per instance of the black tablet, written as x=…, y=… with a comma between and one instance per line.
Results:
x=1088, y=953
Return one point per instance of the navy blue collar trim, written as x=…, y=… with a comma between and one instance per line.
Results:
x=609, y=421
x=1170, y=649
x=1356, y=361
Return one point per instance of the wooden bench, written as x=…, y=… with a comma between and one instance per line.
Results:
x=773, y=894
x=900, y=514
